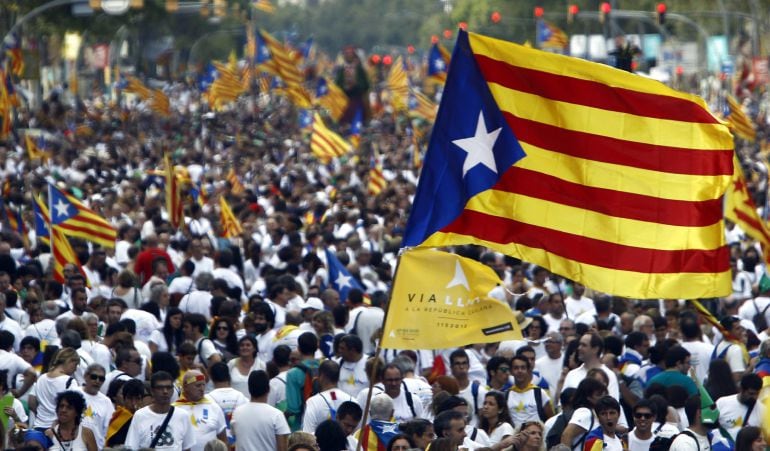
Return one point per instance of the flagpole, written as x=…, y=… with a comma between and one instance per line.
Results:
x=378, y=350
x=50, y=222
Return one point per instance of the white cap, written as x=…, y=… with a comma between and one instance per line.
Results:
x=314, y=303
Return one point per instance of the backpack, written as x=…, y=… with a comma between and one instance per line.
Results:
x=557, y=429
x=759, y=319
x=538, y=403
x=311, y=385
x=721, y=355
x=664, y=444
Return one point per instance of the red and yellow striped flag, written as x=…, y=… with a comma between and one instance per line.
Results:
x=377, y=181
x=35, y=151
x=231, y=226
x=264, y=6
x=326, y=144
x=738, y=120
x=73, y=218
x=398, y=84
x=599, y=175
x=61, y=249
x=740, y=209
x=136, y=86
x=174, y=204
x=159, y=103
x=286, y=66
x=236, y=187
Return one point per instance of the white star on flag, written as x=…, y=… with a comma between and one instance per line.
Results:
x=343, y=281
x=479, y=147
x=61, y=208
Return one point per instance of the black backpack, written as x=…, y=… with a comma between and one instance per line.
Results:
x=664, y=444
x=759, y=319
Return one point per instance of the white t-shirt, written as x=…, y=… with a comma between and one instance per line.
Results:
x=575, y=376
x=112, y=375
x=318, y=407
x=550, y=369
x=700, y=357
x=467, y=394
x=353, y=376
x=145, y=322
x=637, y=444
x=732, y=414
x=97, y=416
x=181, y=285
x=178, y=435
x=14, y=364
x=45, y=331
x=576, y=307
x=205, y=348
x=45, y=390
x=208, y=420
x=612, y=443
x=240, y=382
x=252, y=435
x=197, y=302
x=228, y=399
x=685, y=442
x=500, y=432
x=733, y=356
x=277, y=389
x=14, y=328
x=523, y=406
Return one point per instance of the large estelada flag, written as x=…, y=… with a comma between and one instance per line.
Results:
x=73, y=218
x=601, y=176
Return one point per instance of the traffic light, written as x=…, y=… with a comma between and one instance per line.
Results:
x=604, y=11
x=572, y=11
x=660, y=8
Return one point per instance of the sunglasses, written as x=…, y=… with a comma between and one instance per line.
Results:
x=645, y=416
x=96, y=377
x=223, y=328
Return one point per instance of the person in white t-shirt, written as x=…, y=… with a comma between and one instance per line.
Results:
x=324, y=404
x=576, y=304
x=583, y=419
x=740, y=410
x=226, y=397
x=353, y=377
x=207, y=417
x=145, y=432
x=99, y=408
x=272, y=431
x=697, y=436
x=640, y=438
x=590, y=350
x=608, y=411
x=692, y=341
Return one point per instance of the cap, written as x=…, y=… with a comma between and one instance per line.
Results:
x=193, y=376
x=313, y=303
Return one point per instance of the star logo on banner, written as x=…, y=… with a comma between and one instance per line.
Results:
x=62, y=209
x=439, y=65
x=479, y=147
x=343, y=281
x=459, y=279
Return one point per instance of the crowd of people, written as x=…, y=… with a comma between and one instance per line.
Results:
x=180, y=339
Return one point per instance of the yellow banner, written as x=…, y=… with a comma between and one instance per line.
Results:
x=442, y=300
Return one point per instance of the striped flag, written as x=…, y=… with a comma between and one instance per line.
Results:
x=61, y=249
x=226, y=87
x=13, y=218
x=36, y=148
x=135, y=86
x=739, y=122
x=326, y=144
x=438, y=62
x=231, y=226
x=173, y=193
x=42, y=227
x=73, y=218
x=539, y=156
x=236, y=187
x=331, y=97
x=740, y=209
x=398, y=84
x=377, y=181
x=286, y=66
x=159, y=103
x=549, y=36
x=264, y=6
x=13, y=54
x=421, y=106
x=416, y=147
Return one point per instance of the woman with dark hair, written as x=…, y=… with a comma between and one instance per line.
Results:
x=720, y=380
x=170, y=336
x=224, y=338
x=400, y=442
x=246, y=362
x=583, y=419
x=494, y=418
x=67, y=434
x=126, y=289
x=420, y=431
x=534, y=333
x=750, y=439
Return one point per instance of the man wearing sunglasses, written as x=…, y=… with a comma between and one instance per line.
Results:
x=640, y=438
x=99, y=408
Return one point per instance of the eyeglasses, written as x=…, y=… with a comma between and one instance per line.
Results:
x=504, y=369
x=645, y=416
x=96, y=377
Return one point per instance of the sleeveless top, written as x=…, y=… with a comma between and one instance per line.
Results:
x=68, y=445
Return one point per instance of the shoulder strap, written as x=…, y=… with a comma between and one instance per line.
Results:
x=69, y=382
x=689, y=433
x=474, y=434
x=748, y=413
x=582, y=441
x=354, y=330
x=539, y=404
x=765, y=309
x=475, y=394
x=162, y=429
x=200, y=356
x=409, y=400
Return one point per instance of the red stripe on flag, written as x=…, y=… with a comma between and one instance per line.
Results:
x=588, y=250
x=592, y=93
x=609, y=202
x=673, y=160
x=753, y=223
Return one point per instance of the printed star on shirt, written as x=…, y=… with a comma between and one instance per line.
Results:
x=62, y=209
x=343, y=281
x=479, y=147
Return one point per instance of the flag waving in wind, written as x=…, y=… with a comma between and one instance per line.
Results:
x=73, y=218
x=538, y=156
x=340, y=278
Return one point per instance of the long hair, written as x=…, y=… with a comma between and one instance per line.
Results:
x=585, y=389
x=746, y=437
x=63, y=356
x=503, y=415
x=174, y=337
x=75, y=400
x=231, y=341
x=527, y=424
